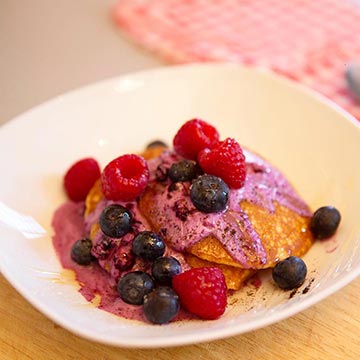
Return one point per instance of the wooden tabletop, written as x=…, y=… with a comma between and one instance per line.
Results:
x=328, y=330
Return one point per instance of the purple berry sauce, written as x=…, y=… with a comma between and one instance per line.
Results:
x=69, y=226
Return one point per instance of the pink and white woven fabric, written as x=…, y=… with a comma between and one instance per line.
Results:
x=306, y=40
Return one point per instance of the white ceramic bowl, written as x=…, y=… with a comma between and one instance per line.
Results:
x=314, y=142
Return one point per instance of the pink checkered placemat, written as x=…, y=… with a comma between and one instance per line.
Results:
x=310, y=41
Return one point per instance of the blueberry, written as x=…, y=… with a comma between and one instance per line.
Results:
x=133, y=286
x=325, y=222
x=161, y=305
x=164, y=269
x=81, y=252
x=115, y=221
x=184, y=170
x=209, y=193
x=156, y=143
x=148, y=245
x=289, y=273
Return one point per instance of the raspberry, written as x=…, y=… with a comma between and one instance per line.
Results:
x=194, y=136
x=225, y=160
x=80, y=178
x=125, y=177
x=202, y=291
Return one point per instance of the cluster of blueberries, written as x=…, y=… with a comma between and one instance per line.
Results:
x=160, y=303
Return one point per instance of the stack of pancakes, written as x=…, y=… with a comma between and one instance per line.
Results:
x=283, y=232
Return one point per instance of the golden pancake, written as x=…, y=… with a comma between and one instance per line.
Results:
x=235, y=277
x=93, y=198
x=153, y=152
x=283, y=233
